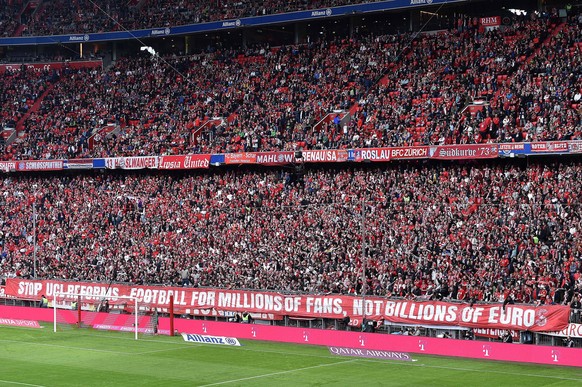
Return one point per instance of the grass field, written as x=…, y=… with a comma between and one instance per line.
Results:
x=39, y=357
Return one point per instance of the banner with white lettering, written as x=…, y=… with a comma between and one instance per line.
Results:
x=490, y=21
x=7, y=166
x=240, y=158
x=78, y=164
x=575, y=146
x=325, y=156
x=184, y=162
x=275, y=158
x=40, y=67
x=572, y=330
x=464, y=152
x=410, y=152
x=550, y=147
x=372, y=154
x=3, y=292
x=137, y=162
x=203, y=161
x=518, y=317
x=39, y=165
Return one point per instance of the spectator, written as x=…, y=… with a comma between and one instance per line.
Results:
x=506, y=337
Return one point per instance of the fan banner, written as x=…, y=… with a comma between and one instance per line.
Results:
x=275, y=158
x=50, y=66
x=572, y=330
x=549, y=147
x=575, y=146
x=325, y=156
x=410, y=152
x=490, y=21
x=240, y=158
x=463, y=152
x=362, y=155
x=370, y=154
x=39, y=165
x=137, y=162
x=184, y=162
x=545, y=318
x=7, y=166
x=78, y=164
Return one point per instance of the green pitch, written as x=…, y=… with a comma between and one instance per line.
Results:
x=39, y=357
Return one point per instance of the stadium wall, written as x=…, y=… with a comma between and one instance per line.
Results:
x=561, y=356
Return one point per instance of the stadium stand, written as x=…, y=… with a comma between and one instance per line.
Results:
x=475, y=231
x=487, y=231
x=460, y=86
x=83, y=16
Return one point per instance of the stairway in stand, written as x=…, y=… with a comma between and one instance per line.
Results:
x=34, y=108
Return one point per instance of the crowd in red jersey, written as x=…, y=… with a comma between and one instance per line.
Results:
x=462, y=86
x=473, y=232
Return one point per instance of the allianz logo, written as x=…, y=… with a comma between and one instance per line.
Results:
x=322, y=12
x=160, y=31
x=79, y=38
x=232, y=23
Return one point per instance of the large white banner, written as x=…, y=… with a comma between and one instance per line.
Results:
x=572, y=330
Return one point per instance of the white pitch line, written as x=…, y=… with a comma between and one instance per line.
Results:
x=19, y=383
x=277, y=373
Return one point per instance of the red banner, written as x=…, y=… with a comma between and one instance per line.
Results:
x=39, y=165
x=516, y=317
x=38, y=67
x=240, y=158
x=184, y=162
x=275, y=158
x=325, y=156
x=3, y=292
x=463, y=152
x=412, y=152
x=138, y=162
x=372, y=154
x=550, y=147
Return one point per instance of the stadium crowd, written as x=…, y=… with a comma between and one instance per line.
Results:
x=526, y=95
x=55, y=17
x=266, y=98
x=18, y=92
x=9, y=11
x=485, y=231
x=466, y=85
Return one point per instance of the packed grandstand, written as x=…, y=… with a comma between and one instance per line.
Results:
x=497, y=231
